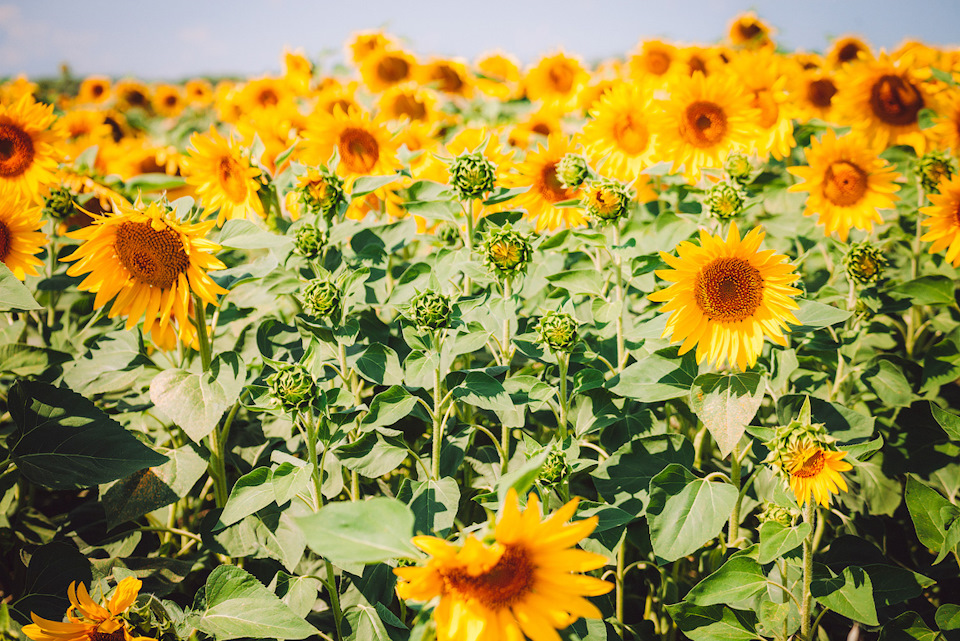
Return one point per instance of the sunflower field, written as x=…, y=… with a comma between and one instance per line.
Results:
x=408, y=348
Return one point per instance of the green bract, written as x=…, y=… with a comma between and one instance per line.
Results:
x=292, y=387
x=606, y=200
x=506, y=251
x=430, y=310
x=472, y=175
x=320, y=298
x=310, y=241
x=933, y=168
x=558, y=331
x=572, y=170
x=60, y=203
x=724, y=200
x=864, y=263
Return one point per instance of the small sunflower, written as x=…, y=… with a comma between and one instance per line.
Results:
x=813, y=92
x=384, y=68
x=815, y=470
x=747, y=30
x=620, y=133
x=364, y=43
x=448, y=76
x=943, y=219
x=408, y=101
x=529, y=581
x=199, y=92
x=89, y=621
x=538, y=171
x=364, y=144
x=947, y=127
x=29, y=147
x=498, y=75
x=149, y=264
x=538, y=124
x=168, y=100
x=297, y=71
x=335, y=94
x=726, y=296
x=224, y=178
x=848, y=184
x=132, y=94
x=848, y=49
x=655, y=61
x=556, y=78
x=94, y=90
x=21, y=238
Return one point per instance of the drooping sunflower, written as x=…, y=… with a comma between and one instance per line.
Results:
x=387, y=67
x=620, y=134
x=149, y=264
x=538, y=171
x=556, y=78
x=726, y=296
x=815, y=470
x=365, y=145
x=943, y=219
x=705, y=119
x=762, y=73
x=21, y=238
x=89, y=621
x=29, y=150
x=224, y=178
x=527, y=582
x=848, y=183
x=94, y=90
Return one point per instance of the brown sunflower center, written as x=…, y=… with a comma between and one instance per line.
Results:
x=704, y=124
x=116, y=635
x=503, y=585
x=728, y=289
x=631, y=136
x=820, y=92
x=697, y=63
x=136, y=98
x=895, y=101
x=16, y=150
x=447, y=78
x=153, y=256
x=97, y=90
x=767, y=104
x=409, y=106
x=171, y=100
x=561, y=77
x=393, y=69
x=812, y=466
x=359, y=150
x=749, y=30
x=550, y=187
x=848, y=52
x=4, y=241
x=230, y=175
x=658, y=62
x=844, y=183
x=541, y=128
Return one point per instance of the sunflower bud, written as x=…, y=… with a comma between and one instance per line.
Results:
x=555, y=468
x=448, y=234
x=320, y=192
x=572, y=170
x=310, y=241
x=59, y=203
x=430, y=310
x=933, y=168
x=472, y=175
x=795, y=434
x=558, y=331
x=320, y=298
x=774, y=513
x=606, y=200
x=292, y=387
x=724, y=200
x=864, y=263
x=506, y=252
x=739, y=168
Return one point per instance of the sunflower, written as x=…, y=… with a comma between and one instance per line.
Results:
x=527, y=582
x=464, y=142
x=297, y=71
x=264, y=93
x=726, y=296
x=385, y=68
x=620, y=134
x=706, y=60
x=364, y=144
x=408, y=101
x=448, y=76
x=132, y=94
x=763, y=75
x=556, y=78
x=21, y=238
x=655, y=61
x=29, y=149
x=335, y=94
x=816, y=470
x=747, y=30
x=94, y=90
x=943, y=219
x=199, y=92
x=706, y=118
x=365, y=43
x=947, y=127
x=848, y=49
x=590, y=95
x=538, y=171
x=89, y=621
x=498, y=75
x=847, y=182
x=149, y=264
x=812, y=92
x=538, y=124
x=882, y=99
x=224, y=178
x=168, y=100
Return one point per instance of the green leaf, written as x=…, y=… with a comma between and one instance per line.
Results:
x=196, y=402
x=685, y=511
x=298, y=592
x=892, y=584
x=64, y=442
x=434, y=504
x=14, y=295
x=943, y=76
x=368, y=184
x=238, y=233
x=387, y=408
x=726, y=403
x=842, y=423
x=371, y=531
x=887, y=381
x=522, y=478
x=908, y=627
x=238, y=606
x=112, y=364
x=379, y=364
x=578, y=281
x=623, y=479
x=53, y=567
x=929, y=290
x=503, y=194
x=252, y=492
x=948, y=617
x=777, y=540
x=289, y=480
x=927, y=510
x=29, y=360
x=949, y=421
x=372, y=455
x=362, y=623
x=713, y=622
x=154, y=182
x=813, y=315
x=658, y=377
x=483, y=391
x=738, y=579
x=849, y=594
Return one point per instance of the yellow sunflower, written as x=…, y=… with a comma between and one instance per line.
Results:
x=89, y=621
x=364, y=43
x=335, y=94
x=529, y=581
x=224, y=178
x=199, y=92
x=365, y=145
x=94, y=90
x=726, y=296
x=384, y=68
x=21, y=238
x=590, y=95
x=168, y=100
x=762, y=73
x=947, y=127
x=538, y=171
x=408, y=101
x=264, y=93
x=539, y=124
x=556, y=78
x=847, y=182
x=705, y=119
x=747, y=30
x=812, y=92
x=620, y=140
x=816, y=470
x=132, y=94
x=446, y=75
x=297, y=71
x=498, y=75
x=655, y=61
x=882, y=100
x=149, y=264
x=848, y=49
x=29, y=152
x=943, y=219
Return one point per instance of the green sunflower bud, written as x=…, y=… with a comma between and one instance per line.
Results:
x=59, y=203
x=724, y=200
x=606, y=200
x=430, y=310
x=933, y=168
x=506, y=252
x=558, y=331
x=292, y=387
x=321, y=192
x=310, y=241
x=572, y=170
x=774, y=513
x=472, y=175
x=320, y=298
x=738, y=167
x=555, y=468
x=864, y=263
x=448, y=234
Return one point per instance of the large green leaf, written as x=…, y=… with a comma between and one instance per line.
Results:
x=930, y=513
x=623, y=479
x=813, y=315
x=777, y=540
x=29, y=360
x=387, y=408
x=14, y=295
x=434, y=504
x=929, y=290
x=53, y=567
x=242, y=234
x=908, y=627
x=658, y=377
x=726, y=403
x=373, y=454
x=949, y=421
x=713, y=622
x=484, y=391
x=379, y=364
x=64, y=442
x=738, y=579
x=849, y=594
x=252, y=492
x=371, y=531
x=887, y=381
x=841, y=422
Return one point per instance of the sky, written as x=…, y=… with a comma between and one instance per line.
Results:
x=175, y=39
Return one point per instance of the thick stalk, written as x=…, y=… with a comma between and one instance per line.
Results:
x=468, y=208
x=351, y=383
x=505, y=352
x=437, y=424
x=734, y=526
x=914, y=320
x=217, y=466
x=618, y=275
x=620, y=596
x=809, y=513
x=563, y=361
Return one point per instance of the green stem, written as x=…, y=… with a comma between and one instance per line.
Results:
x=315, y=469
x=618, y=274
x=437, y=423
x=334, y=598
x=468, y=243
x=217, y=466
x=172, y=530
x=816, y=624
x=809, y=514
x=621, y=593
x=505, y=352
x=563, y=360
x=734, y=526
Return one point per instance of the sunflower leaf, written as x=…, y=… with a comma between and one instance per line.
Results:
x=369, y=531
x=726, y=403
x=14, y=295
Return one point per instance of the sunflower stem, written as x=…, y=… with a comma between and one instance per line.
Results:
x=505, y=354
x=437, y=422
x=621, y=311
x=621, y=593
x=734, y=526
x=468, y=208
x=563, y=361
x=216, y=467
x=914, y=320
x=809, y=514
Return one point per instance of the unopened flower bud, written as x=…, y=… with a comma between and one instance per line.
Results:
x=555, y=468
x=506, y=252
x=448, y=233
x=310, y=241
x=774, y=513
x=430, y=310
x=933, y=168
x=292, y=387
x=59, y=203
x=572, y=170
x=472, y=175
x=320, y=192
x=864, y=263
x=558, y=331
x=724, y=200
x=606, y=200
x=738, y=167
x=320, y=298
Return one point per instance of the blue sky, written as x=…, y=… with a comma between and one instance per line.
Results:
x=171, y=39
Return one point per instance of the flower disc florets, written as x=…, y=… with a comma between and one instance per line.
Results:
x=606, y=200
x=60, y=203
x=310, y=241
x=506, y=251
x=321, y=298
x=572, y=170
x=321, y=192
x=724, y=200
x=933, y=168
x=558, y=331
x=293, y=387
x=472, y=175
x=864, y=263
x=430, y=310
x=739, y=168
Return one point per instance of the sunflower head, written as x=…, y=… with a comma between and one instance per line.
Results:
x=448, y=233
x=572, y=170
x=739, y=168
x=507, y=252
x=725, y=200
x=934, y=167
x=606, y=200
x=747, y=30
x=320, y=192
x=60, y=203
x=88, y=620
x=310, y=241
x=558, y=331
x=292, y=387
x=321, y=298
x=864, y=263
x=430, y=310
x=472, y=175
